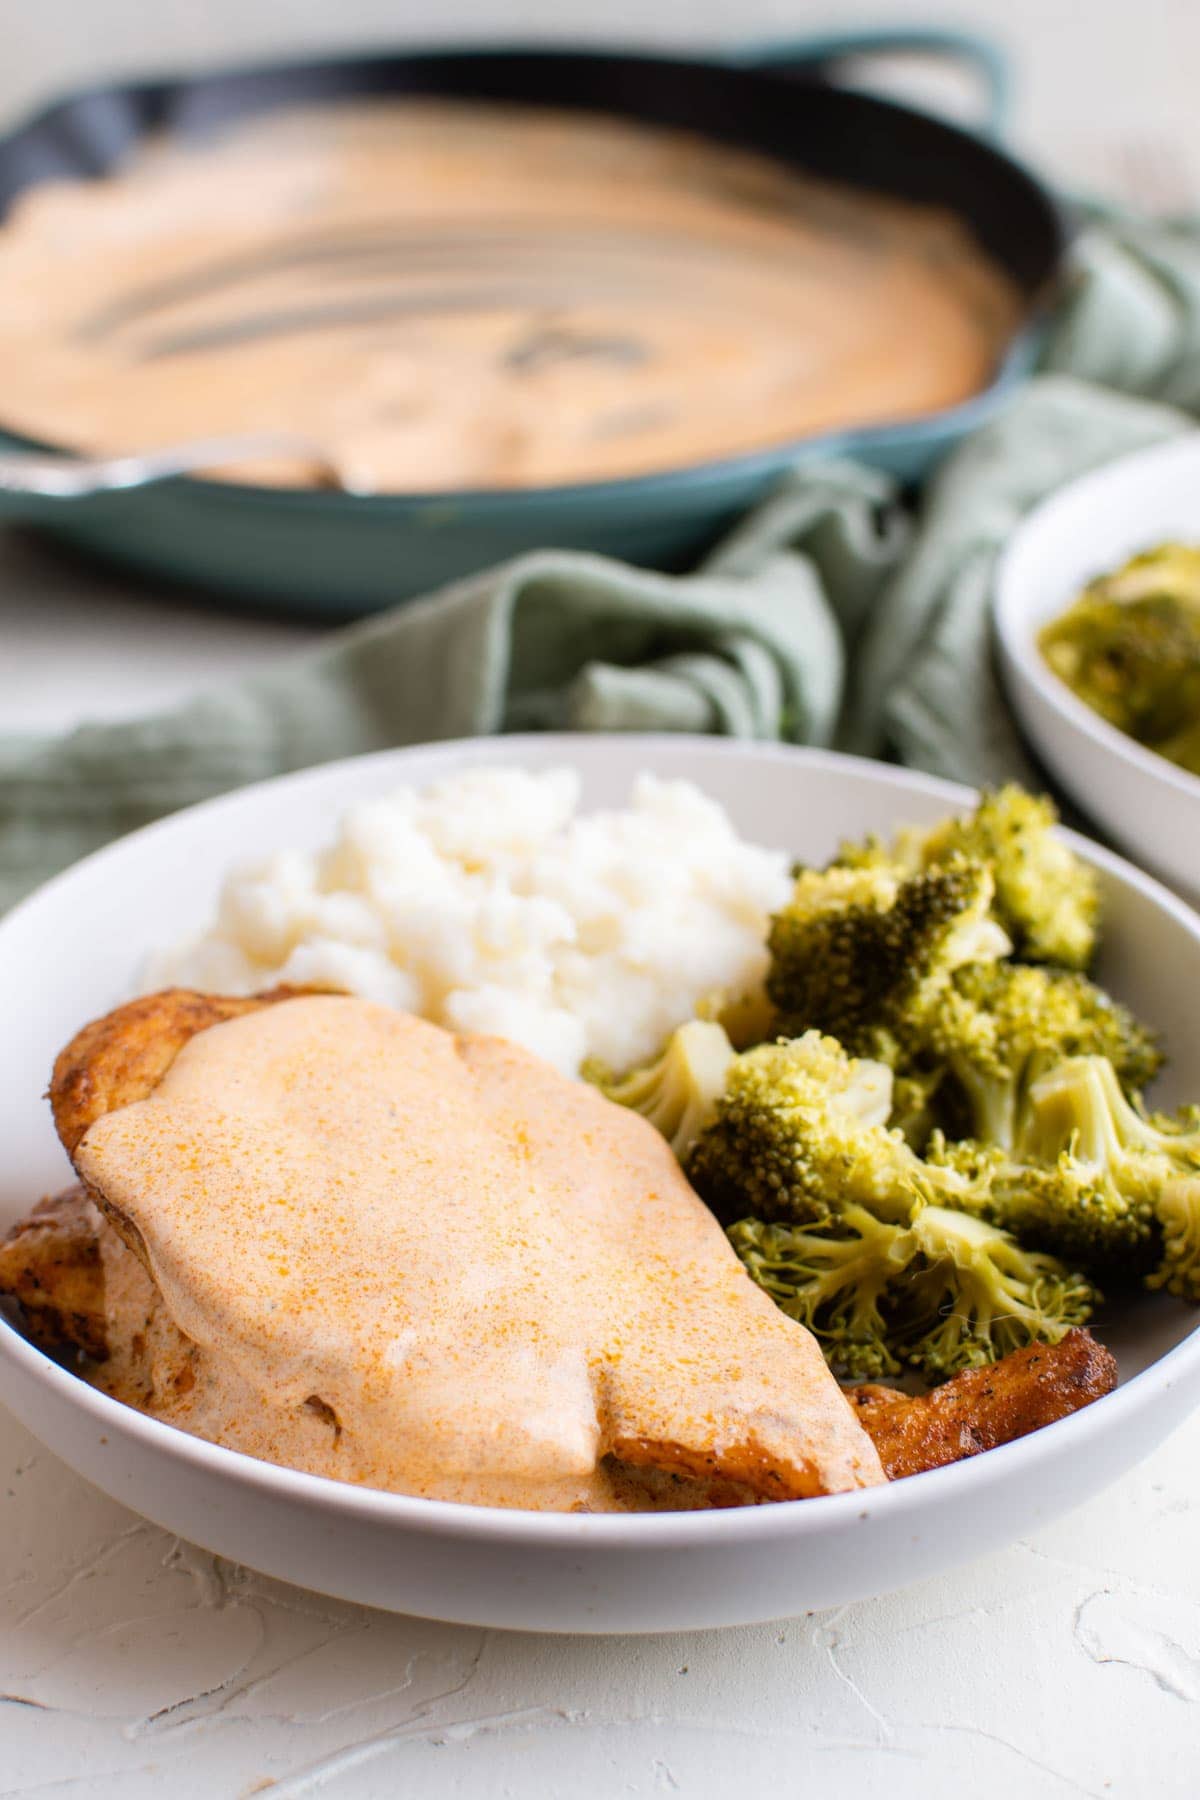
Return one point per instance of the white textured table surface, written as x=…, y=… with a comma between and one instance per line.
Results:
x=132, y=1665
x=135, y=1667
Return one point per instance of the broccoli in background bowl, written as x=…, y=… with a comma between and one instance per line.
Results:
x=1129, y=647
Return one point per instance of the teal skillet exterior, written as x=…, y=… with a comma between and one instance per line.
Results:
x=336, y=556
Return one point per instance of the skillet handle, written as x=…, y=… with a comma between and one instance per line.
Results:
x=819, y=58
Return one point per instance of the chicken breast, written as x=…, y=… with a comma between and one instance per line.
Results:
x=82, y=1289
x=431, y=1263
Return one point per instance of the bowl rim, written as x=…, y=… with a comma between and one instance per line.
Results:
x=1015, y=624
x=611, y=1531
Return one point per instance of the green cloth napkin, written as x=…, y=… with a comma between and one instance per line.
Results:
x=834, y=614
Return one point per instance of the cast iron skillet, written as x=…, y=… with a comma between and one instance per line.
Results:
x=337, y=555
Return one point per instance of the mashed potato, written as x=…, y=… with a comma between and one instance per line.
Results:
x=487, y=903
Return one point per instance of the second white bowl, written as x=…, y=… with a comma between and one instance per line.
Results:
x=1147, y=804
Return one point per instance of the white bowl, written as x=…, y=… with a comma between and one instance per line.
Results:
x=1147, y=804
x=74, y=949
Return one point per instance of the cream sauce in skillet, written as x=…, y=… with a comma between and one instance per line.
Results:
x=449, y=296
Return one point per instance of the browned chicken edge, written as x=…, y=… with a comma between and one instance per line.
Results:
x=982, y=1408
x=122, y=1057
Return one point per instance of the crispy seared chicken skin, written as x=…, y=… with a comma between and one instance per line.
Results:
x=123, y=1056
x=982, y=1408
x=81, y=1289
x=721, y=1444
x=52, y=1262
x=56, y=1263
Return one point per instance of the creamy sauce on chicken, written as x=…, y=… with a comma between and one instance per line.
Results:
x=446, y=295
x=432, y=1264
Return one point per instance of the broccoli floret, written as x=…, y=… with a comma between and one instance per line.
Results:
x=922, y=1104
x=900, y=858
x=677, y=1092
x=1077, y=1112
x=1046, y=898
x=863, y=956
x=747, y=1016
x=1177, y=1209
x=792, y=1130
x=801, y=1130
x=1059, y=1012
x=1065, y=1207
x=833, y=1279
x=939, y=1291
x=982, y=1295
x=1130, y=648
x=999, y=1025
